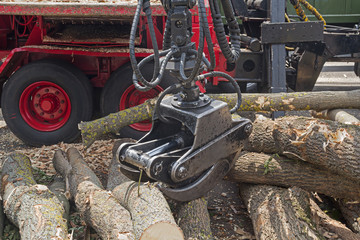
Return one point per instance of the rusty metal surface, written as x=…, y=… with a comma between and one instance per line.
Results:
x=83, y=8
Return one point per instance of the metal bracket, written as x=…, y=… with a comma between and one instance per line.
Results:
x=276, y=33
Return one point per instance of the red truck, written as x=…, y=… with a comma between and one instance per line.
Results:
x=66, y=61
x=63, y=61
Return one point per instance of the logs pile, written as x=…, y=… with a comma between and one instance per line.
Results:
x=126, y=210
x=286, y=167
x=287, y=159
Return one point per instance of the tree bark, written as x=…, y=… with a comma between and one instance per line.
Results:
x=151, y=215
x=193, y=218
x=330, y=227
x=115, y=176
x=62, y=166
x=33, y=208
x=58, y=188
x=150, y=212
x=338, y=115
x=350, y=210
x=261, y=168
x=318, y=101
x=279, y=213
x=330, y=145
x=112, y=123
x=99, y=208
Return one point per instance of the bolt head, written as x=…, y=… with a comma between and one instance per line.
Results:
x=248, y=128
x=182, y=172
x=158, y=168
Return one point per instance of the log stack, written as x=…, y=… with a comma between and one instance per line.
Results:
x=284, y=165
x=287, y=159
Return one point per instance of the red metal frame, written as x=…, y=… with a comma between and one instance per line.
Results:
x=67, y=9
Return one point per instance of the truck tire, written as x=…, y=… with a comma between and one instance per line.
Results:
x=43, y=102
x=119, y=93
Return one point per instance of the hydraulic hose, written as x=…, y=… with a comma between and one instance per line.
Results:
x=299, y=11
x=167, y=33
x=208, y=38
x=138, y=79
x=287, y=18
x=133, y=61
x=168, y=90
x=231, y=80
x=233, y=53
x=200, y=51
x=313, y=11
x=160, y=75
x=182, y=62
x=147, y=10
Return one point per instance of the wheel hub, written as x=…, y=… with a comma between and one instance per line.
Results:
x=45, y=106
x=133, y=97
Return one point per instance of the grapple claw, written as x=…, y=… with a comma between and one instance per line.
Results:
x=200, y=186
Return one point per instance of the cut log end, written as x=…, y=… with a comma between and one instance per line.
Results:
x=162, y=231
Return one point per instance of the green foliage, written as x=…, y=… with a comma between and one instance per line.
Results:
x=267, y=164
x=41, y=177
x=11, y=232
x=77, y=226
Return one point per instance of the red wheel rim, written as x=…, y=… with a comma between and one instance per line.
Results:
x=45, y=106
x=133, y=97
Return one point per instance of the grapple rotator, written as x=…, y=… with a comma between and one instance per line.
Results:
x=192, y=136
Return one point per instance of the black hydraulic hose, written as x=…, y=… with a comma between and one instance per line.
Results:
x=149, y=85
x=208, y=38
x=183, y=60
x=141, y=64
x=233, y=53
x=133, y=61
x=167, y=33
x=204, y=59
x=151, y=57
x=234, y=28
x=147, y=10
x=168, y=90
x=200, y=51
x=138, y=77
x=231, y=80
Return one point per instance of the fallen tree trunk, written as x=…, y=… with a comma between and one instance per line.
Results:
x=330, y=145
x=115, y=176
x=338, y=115
x=149, y=210
x=261, y=168
x=193, y=218
x=33, y=208
x=350, y=211
x=329, y=227
x=99, y=208
x=317, y=101
x=58, y=188
x=279, y=213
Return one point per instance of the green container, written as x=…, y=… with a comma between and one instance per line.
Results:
x=344, y=12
